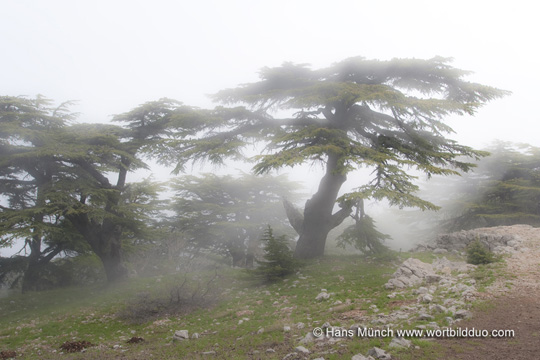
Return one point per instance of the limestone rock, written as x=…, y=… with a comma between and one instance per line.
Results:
x=362, y=357
x=308, y=338
x=462, y=314
x=412, y=272
x=181, y=335
x=424, y=316
x=378, y=353
x=322, y=296
x=400, y=343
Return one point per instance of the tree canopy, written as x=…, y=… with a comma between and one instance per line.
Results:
x=384, y=115
x=64, y=186
x=56, y=177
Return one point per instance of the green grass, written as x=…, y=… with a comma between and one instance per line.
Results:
x=36, y=324
x=486, y=274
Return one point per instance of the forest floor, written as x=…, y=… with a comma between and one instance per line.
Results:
x=253, y=321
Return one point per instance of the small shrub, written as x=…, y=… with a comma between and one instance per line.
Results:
x=75, y=346
x=478, y=253
x=180, y=297
x=278, y=258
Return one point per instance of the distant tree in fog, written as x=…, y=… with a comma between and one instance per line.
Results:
x=227, y=215
x=384, y=115
x=505, y=190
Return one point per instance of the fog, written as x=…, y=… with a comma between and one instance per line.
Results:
x=113, y=56
x=295, y=192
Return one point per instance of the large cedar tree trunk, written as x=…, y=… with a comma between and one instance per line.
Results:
x=105, y=238
x=106, y=242
x=107, y=245
x=318, y=218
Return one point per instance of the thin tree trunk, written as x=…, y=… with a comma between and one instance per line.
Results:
x=32, y=276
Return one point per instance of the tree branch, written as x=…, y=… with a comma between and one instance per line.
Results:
x=339, y=216
x=295, y=216
x=99, y=177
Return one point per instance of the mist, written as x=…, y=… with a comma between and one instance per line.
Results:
x=185, y=161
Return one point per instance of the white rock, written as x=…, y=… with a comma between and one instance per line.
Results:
x=361, y=357
x=379, y=354
x=462, y=314
x=424, y=316
x=400, y=342
x=439, y=309
x=308, y=338
x=322, y=296
x=181, y=335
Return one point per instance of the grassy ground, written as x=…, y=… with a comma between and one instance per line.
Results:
x=243, y=321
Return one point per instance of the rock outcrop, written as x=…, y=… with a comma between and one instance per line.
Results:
x=411, y=273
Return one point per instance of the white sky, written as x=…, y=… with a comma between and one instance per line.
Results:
x=114, y=55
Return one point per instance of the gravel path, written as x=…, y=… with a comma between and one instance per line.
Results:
x=516, y=308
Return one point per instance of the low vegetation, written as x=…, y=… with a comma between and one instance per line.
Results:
x=478, y=253
x=232, y=317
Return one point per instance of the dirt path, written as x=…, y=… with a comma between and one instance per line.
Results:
x=517, y=308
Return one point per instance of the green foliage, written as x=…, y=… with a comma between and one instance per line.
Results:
x=367, y=113
x=478, y=253
x=58, y=181
x=278, y=258
x=384, y=115
x=364, y=236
